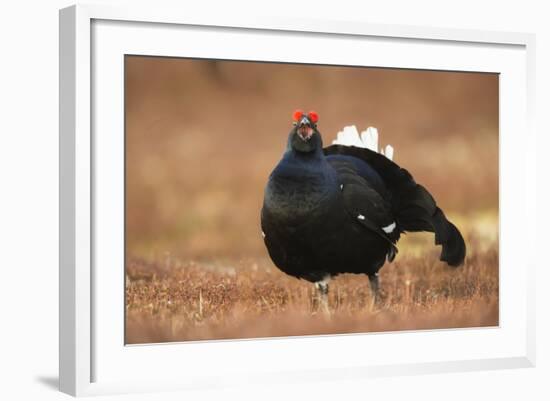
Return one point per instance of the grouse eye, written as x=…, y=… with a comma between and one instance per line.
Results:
x=297, y=115
x=313, y=117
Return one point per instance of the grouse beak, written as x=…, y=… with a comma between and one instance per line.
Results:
x=305, y=130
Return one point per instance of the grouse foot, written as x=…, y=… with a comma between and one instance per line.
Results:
x=322, y=295
x=375, y=288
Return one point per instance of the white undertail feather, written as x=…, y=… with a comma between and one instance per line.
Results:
x=369, y=137
x=389, y=152
x=349, y=136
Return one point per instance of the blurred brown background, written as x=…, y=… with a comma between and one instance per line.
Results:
x=202, y=137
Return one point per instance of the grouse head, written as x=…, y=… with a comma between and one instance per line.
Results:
x=304, y=137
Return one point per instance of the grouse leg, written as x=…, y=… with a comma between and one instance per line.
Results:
x=375, y=288
x=322, y=292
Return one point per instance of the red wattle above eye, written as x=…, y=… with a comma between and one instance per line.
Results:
x=313, y=117
x=297, y=115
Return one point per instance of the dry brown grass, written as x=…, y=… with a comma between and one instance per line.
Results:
x=173, y=301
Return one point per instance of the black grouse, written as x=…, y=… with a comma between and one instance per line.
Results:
x=342, y=209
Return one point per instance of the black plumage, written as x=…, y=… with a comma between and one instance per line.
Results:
x=342, y=209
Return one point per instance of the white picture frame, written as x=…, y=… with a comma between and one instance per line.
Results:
x=93, y=357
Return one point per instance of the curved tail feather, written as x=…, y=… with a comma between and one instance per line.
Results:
x=414, y=207
x=419, y=212
x=447, y=235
